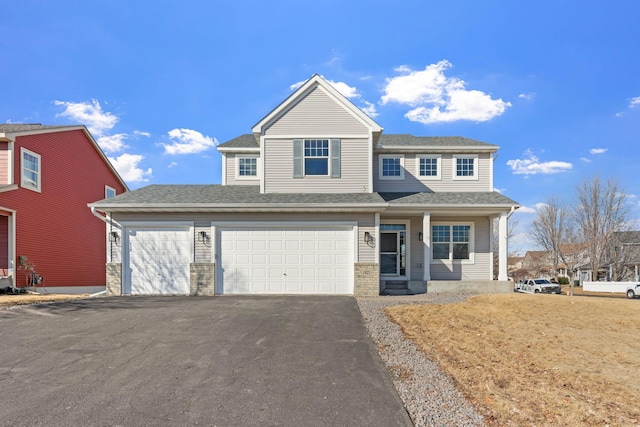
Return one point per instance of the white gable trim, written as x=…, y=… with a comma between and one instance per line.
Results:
x=315, y=82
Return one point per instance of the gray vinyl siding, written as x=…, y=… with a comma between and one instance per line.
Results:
x=411, y=182
x=481, y=267
x=316, y=114
x=278, y=166
x=202, y=222
x=231, y=170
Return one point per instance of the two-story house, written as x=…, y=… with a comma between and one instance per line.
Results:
x=48, y=238
x=317, y=200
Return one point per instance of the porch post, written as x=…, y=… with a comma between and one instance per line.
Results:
x=502, y=246
x=426, y=246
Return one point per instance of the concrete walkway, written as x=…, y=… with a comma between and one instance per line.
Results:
x=222, y=361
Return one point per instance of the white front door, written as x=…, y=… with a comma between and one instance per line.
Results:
x=286, y=260
x=158, y=261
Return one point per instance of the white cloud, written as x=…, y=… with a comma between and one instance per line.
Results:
x=437, y=98
x=598, y=150
x=112, y=143
x=527, y=96
x=585, y=159
x=89, y=114
x=141, y=133
x=345, y=89
x=634, y=102
x=172, y=165
x=531, y=165
x=127, y=166
x=188, y=141
x=526, y=210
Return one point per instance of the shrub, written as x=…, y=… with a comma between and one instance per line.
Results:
x=563, y=280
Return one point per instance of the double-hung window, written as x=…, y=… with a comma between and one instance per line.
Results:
x=31, y=174
x=316, y=157
x=246, y=167
x=452, y=242
x=391, y=166
x=428, y=166
x=465, y=167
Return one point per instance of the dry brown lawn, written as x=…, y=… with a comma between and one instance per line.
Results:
x=544, y=360
x=22, y=299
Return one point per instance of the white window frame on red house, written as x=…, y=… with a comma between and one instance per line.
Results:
x=25, y=180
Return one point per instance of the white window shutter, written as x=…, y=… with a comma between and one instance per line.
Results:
x=297, y=158
x=335, y=158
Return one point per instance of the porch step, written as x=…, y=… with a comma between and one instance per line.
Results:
x=396, y=287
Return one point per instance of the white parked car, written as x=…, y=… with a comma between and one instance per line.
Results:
x=633, y=291
x=538, y=286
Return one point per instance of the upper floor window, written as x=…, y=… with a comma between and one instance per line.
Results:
x=316, y=157
x=247, y=167
x=465, y=167
x=451, y=241
x=109, y=192
x=31, y=174
x=319, y=157
x=428, y=166
x=391, y=167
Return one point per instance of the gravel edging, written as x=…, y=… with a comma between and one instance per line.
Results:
x=429, y=396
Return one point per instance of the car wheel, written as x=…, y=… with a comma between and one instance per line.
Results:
x=537, y=291
x=630, y=294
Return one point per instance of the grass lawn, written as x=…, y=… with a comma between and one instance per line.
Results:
x=526, y=359
x=21, y=299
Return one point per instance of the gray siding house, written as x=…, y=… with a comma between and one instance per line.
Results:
x=317, y=200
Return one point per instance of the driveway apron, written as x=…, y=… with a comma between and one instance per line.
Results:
x=224, y=361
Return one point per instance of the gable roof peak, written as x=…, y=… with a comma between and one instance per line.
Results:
x=316, y=80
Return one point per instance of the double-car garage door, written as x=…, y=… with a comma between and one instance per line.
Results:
x=250, y=260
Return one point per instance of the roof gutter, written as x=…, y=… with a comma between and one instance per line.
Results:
x=105, y=219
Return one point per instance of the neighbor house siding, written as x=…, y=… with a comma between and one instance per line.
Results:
x=231, y=170
x=54, y=228
x=412, y=182
x=278, y=164
x=317, y=114
x=481, y=267
x=4, y=163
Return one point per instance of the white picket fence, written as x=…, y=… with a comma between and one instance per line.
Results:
x=613, y=287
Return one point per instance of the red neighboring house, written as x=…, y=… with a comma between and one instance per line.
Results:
x=48, y=175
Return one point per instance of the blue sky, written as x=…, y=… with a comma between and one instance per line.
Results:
x=556, y=84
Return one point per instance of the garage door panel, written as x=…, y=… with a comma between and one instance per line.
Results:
x=304, y=260
x=158, y=261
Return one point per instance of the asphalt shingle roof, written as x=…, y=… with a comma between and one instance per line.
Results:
x=171, y=196
x=387, y=141
x=25, y=127
x=406, y=140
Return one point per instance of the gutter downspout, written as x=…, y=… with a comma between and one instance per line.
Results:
x=105, y=219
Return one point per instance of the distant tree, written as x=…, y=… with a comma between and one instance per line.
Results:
x=600, y=212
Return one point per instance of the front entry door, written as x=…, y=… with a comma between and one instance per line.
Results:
x=393, y=243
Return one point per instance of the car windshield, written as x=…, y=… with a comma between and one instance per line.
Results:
x=542, y=282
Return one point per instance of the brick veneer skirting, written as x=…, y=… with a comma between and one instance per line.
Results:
x=202, y=280
x=366, y=281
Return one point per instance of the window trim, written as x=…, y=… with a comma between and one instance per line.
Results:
x=438, y=175
x=23, y=179
x=305, y=157
x=454, y=168
x=106, y=192
x=247, y=156
x=450, y=260
x=381, y=157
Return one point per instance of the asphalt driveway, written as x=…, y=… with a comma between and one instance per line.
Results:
x=222, y=361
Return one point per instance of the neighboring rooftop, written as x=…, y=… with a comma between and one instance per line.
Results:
x=26, y=127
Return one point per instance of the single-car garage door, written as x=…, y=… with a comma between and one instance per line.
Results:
x=282, y=260
x=158, y=261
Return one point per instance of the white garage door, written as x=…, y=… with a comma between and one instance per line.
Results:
x=310, y=260
x=158, y=261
